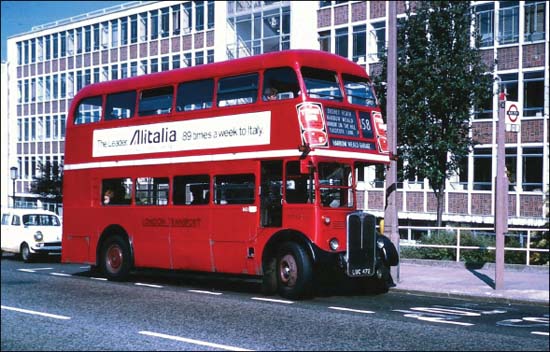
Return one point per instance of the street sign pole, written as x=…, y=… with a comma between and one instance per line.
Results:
x=501, y=195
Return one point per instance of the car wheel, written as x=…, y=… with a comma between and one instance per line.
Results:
x=294, y=271
x=26, y=255
x=115, y=258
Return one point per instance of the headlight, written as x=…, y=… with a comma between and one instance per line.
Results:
x=38, y=236
x=326, y=219
x=333, y=243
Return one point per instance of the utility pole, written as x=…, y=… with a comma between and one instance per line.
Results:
x=501, y=194
x=390, y=212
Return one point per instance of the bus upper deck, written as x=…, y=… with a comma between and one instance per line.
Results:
x=269, y=104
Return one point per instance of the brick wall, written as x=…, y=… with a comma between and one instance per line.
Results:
x=482, y=132
x=341, y=15
x=508, y=58
x=458, y=203
x=481, y=204
x=532, y=131
x=530, y=205
x=533, y=55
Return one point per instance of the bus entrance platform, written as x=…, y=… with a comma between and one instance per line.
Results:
x=522, y=283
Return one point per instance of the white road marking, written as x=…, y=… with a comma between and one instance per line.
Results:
x=540, y=333
x=98, y=278
x=271, y=300
x=55, y=316
x=147, y=285
x=352, y=310
x=195, y=342
x=59, y=274
x=206, y=292
x=33, y=270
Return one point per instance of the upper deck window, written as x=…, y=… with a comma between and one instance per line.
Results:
x=156, y=101
x=195, y=95
x=359, y=90
x=120, y=105
x=238, y=90
x=88, y=110
x=321, y=84
x=281, y=82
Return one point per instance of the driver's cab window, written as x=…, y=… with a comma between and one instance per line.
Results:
x=296, y=187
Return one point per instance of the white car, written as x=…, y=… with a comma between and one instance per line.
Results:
x=30, y=232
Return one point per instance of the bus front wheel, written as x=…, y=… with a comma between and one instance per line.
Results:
x=294, y=271
x=115, y=261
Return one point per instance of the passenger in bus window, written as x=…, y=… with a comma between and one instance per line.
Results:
x=270, y=93
x=109, y=194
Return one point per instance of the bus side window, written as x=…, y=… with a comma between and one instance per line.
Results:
x=191, y=190
x=120, y=105
x=280, y=83
x=152, y=190
x=88, y=110
x=156, y=101
x=116, y=191
x=238, y=90
x=234, y=189
x=195, y=95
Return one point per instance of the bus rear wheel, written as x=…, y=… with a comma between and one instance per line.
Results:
x=294, y=271
x=115, y=260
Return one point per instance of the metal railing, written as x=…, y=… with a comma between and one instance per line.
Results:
x=411, y=237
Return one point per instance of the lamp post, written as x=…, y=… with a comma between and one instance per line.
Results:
x=13, y=176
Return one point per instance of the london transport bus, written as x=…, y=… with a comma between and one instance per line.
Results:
x=247, y=166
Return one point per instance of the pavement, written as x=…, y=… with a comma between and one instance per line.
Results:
x=522, y=283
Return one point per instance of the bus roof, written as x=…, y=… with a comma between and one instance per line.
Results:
x=311, y=58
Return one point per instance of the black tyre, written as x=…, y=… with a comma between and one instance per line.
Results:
x=115, y=258
x=26, y=254
x=294, y=271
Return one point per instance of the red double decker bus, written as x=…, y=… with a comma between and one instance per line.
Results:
x=247, y=166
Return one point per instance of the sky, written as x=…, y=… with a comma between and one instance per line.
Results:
x=20, y=16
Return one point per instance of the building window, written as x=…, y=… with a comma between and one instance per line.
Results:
x=511, y=167
x=87, y=39
x=63, y=85
x=165, y=63
x=105, y=35
x=175, y=61
x=359, y=43
x=124, y=70
x=199, y=13
x=210, y=56
x=508, y=22
x=483, y=158
x=341, y=42
x=124, y=31
x=133, y=29
x=33, y=50
x=114, y=72
x=533, y=93
x=532, y=169
x=79, y=42
x=210, y=14
x=154, y=24
x=534, y=20
x=485, y=24
x=143, y=27
x=114, y=33
x=19, y=54
x=154, y=65
x=199, y=58
x=96, y=36
x=164, y=22
x=324, y=41
x=55, y=46
x=509, y=82
x=187, y=20
x=379, y=32
x=176, y=20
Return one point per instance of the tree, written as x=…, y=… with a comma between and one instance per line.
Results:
x=50, y=182
x=440, y=78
